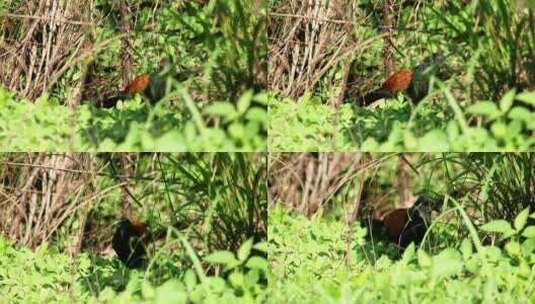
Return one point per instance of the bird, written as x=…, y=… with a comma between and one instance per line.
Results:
x=403, y=226
x=128, y=242
x=152, y=86
x=409, y=225
x=131, y=240
x=413, y=81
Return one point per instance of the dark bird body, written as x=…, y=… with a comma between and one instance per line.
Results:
x=128, y=243
x=407, y=225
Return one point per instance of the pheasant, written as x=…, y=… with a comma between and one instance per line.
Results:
x=131, y=239
x=128, y=242
x=152, y=86
x=405, y=226
x=408, y=225
x=413, y=81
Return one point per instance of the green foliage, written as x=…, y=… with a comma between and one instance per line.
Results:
x=307, y=266
x=306, y=126
x=214, y=94
x=503, y=178
x=43, y=276
x=132, y=126
x=228, y=189
x=483, y=102
x=212, y=206
x=309, y=125
x=48, y=276
x=227, y=37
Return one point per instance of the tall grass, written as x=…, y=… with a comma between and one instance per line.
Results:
x=484, y=186
x=217, y=200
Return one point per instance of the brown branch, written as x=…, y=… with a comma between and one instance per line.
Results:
x=60, y=20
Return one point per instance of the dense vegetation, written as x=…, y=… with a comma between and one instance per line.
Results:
x=206, y=215
x=322, y=65
x=478, y=249
x=59, y=66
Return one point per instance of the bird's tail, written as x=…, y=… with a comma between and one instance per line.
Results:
x=374, y=96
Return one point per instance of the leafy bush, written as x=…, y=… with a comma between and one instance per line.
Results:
x=483, y=102
x=309, y=264
x=484, y=126
x=214, y=85
x=48, y=276
x=131, y=126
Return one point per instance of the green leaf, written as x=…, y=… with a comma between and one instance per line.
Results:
x=499, y=129
x=466, y=248
x=257, y=263
x=245, y=250
x=263, y=98
x=521, y=219
x=190, y=279
x=507, y=100
x=513, y=248
x=487, y=108
x=529, y=232
x=237, y=279
x=446, y=264
x=423, y=259
x=520, y=113
x=256, y=114
x=221, y=257
x=245, y=101
x=434, y=140
x=526, y=97
x=500, y=226
x=408, y=254
x=528, y=246
x=220, y=108
x=237, y=130
x=262, y=246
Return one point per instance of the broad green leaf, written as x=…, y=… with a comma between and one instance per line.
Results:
x=446, y=264
x=244, y=102
x=245, y=250
x=521, y=219
x=513, y=248
x=262, y=246
x=221, y=257
x=507, y=100
x=499, y=129
x=521, y=113
x=257, y=263
x=466, y=248
x=529, y=232
x=527, y=97
x=225, y=109
x=487, y=108
x=500, y=226
x=408, y=254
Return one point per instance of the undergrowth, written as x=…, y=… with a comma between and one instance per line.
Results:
x=319, y=261
x=48, y=276
x=310, y=125
x=132, y=126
